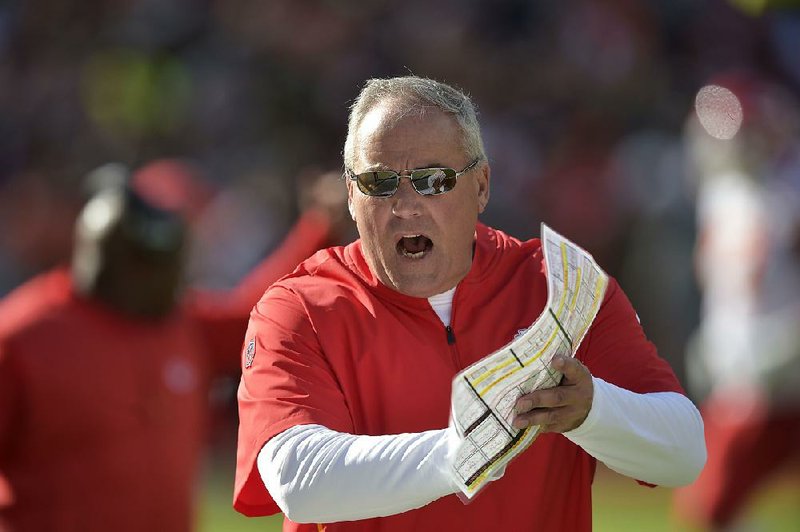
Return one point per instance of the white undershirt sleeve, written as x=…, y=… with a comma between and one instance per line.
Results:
x=655, y=437
x=315, y=474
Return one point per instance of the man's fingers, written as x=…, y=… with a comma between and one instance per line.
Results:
x=570, y=367
x=548, y=398
x=562, y=407
x=542, y=417
x=574, y=373
x=557, y=419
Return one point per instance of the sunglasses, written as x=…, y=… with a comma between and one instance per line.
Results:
x=426, y=181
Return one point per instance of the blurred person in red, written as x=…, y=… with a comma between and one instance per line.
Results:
x=744, y=358
x=105, y=366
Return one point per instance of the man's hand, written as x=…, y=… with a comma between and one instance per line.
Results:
x=563, y=407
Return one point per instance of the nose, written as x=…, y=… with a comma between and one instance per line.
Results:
x=406, y=202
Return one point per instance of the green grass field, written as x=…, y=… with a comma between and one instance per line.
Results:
x=620, y=505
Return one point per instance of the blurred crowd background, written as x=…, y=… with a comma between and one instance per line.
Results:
x=588, y=110
x=584, y=106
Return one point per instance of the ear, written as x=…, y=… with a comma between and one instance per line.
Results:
x=482, y=180
x=350, y=207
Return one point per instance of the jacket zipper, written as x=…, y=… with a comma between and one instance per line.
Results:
x=451, y=336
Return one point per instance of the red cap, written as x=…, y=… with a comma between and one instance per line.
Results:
x=175, y=185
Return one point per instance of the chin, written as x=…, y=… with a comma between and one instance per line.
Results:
x=415, y=288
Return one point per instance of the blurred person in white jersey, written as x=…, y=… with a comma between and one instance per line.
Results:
x=744, y=359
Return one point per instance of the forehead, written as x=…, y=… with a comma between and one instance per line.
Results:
x=410, y=140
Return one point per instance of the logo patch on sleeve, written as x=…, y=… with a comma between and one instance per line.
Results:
x=250, y=353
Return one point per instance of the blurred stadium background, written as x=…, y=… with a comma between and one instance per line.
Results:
x=585, y=107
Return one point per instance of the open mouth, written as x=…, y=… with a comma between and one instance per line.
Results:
x=414, y=246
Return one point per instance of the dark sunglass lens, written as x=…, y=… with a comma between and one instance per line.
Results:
x=377, y=183
x=432, y=181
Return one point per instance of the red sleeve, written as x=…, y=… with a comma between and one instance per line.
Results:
x=617, y=350
x=223, y=315
x=9, y=418
x=286, y=381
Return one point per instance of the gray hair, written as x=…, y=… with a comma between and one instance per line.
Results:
x=410, y=95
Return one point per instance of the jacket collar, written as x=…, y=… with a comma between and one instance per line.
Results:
x=487, y=243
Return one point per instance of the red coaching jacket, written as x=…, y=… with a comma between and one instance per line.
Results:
x=331, y=345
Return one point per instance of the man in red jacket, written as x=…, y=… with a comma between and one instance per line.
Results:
x=105, y=369
x=348, y=362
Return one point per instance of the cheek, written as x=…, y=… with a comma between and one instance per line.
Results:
x=462, y=209
x=368, y=219
x=458, y=221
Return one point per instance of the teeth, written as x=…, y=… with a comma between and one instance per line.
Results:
x=411, y=254
x=416, y=255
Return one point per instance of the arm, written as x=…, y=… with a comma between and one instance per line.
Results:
x=640, y=425
x=223, y=315
x=655, y=437
x=324, y=222
x=295, y=418
x=311, y=232
x=9, y=421
x=286, y=381
x=315, y=474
